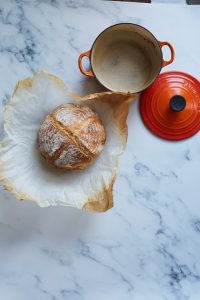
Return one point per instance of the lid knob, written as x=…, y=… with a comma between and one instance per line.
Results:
x=177, y=103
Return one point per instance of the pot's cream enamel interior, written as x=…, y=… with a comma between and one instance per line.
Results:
x=126, y=58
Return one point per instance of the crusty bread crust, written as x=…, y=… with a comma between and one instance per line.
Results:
x=71, y=137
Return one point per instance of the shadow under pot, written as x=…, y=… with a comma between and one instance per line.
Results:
x=126, y=57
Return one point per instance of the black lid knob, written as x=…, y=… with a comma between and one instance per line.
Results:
x=177, y=103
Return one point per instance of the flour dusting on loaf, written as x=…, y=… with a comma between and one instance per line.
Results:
x=71, y=137
x=50, y=138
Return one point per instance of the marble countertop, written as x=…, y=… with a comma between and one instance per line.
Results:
x=148, y=246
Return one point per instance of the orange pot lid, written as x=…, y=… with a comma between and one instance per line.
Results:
x=170, y=107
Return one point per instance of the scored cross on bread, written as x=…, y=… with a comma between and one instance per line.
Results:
x=71, y=137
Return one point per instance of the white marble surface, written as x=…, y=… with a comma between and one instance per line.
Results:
x=148, y=246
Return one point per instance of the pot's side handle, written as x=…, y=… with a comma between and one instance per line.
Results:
x=167, y=62
x=87, y=73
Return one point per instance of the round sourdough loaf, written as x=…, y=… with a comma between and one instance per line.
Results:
x=71, y=137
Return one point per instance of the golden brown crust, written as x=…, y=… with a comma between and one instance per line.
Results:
x=72, y=136
x=63, y=162
x=70, y=129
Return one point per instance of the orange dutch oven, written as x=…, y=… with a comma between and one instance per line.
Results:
x=126, y=57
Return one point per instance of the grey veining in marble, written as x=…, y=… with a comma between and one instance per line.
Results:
x=147, y=246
